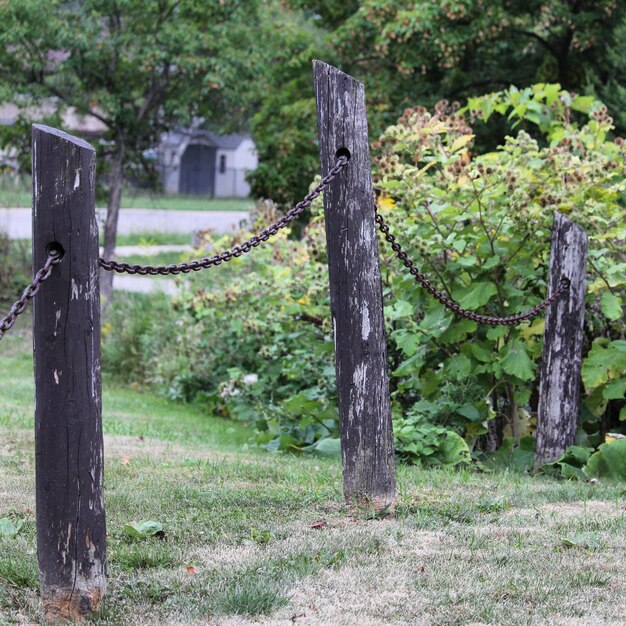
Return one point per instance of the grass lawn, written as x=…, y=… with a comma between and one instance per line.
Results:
x=19, y=195
x=150, y=238
x=239, y=547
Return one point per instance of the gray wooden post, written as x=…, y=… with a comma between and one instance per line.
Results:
x=68, y=407
x=561, y=359
x=355, y=294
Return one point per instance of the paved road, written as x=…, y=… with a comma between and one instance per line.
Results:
x=18, y=222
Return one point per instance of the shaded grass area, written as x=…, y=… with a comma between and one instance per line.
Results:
x=239, y=547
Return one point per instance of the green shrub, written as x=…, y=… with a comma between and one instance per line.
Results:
x=252, y=340
x=479, y=226
x=15, y=268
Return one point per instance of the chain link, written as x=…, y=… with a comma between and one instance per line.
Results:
x=451, y=304
x=54, y=257
x=235, y=251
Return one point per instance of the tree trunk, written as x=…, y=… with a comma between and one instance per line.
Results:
x=110, y=227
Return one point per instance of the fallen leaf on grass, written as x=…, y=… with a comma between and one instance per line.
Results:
x=142, y=530
x=192, y=569
x=8, y=528
x=319, y=524
x=582, y=540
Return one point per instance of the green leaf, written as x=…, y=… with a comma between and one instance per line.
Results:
x=458, y=330
x=454, y=449
x=615, y=390
x=412, y=365
x=611, y=305
x=569, y=472
x=491, y=262
x=399, y=310
x=458, y=367
x=435, y=321
x=9, y=528
x=582, y=103
x=516, y=361
x=604, y=361
x=467, y=261
x=144, y=529
x=326, y=447
x=608, y=462
x=475, y=296
x=407, y=341
x=470, y=412
x=460, y=142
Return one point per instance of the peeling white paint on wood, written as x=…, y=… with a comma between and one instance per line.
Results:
x=365, y=324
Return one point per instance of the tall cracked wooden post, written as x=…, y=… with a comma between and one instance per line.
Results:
x=355, y=294
x=68, y=407
x=561, y=359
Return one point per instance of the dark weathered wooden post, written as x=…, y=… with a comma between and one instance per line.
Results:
x=68, y=407
x=561, y=360
x=356, y=294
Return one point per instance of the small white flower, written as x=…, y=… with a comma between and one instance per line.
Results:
x=250, y=379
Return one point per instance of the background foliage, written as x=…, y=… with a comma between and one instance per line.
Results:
x=253, y=339
x=418, y=52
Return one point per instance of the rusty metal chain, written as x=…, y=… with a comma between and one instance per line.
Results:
x=451, y=304
x=235, y=251
x=54, y=257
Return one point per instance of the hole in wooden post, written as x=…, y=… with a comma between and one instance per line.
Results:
x=343, y=152
x=55, y=249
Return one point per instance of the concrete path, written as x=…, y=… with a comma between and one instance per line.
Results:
x=18, y=222
x=124, y=251
x=146, y=284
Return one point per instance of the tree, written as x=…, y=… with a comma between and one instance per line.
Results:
x=418, y=52
x=141, y=67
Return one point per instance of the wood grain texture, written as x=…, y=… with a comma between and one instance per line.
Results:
x=561, y=359
x=356, y=294
x=68, y=395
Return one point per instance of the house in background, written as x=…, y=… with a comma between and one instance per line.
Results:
x=191, y=161
x=200, y=163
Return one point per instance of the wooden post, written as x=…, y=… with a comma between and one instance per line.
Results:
x=68, y=395
x=561, y=360
x=355, y=294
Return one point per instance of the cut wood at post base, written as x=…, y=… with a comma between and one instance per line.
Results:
x=68, y=395
x=561, y=359
x=356, y=294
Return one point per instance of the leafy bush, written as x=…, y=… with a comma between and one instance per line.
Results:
x=15, y=268
x=253, y=340
x=479, y=225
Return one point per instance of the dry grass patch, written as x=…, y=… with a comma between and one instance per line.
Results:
x=239, y=549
